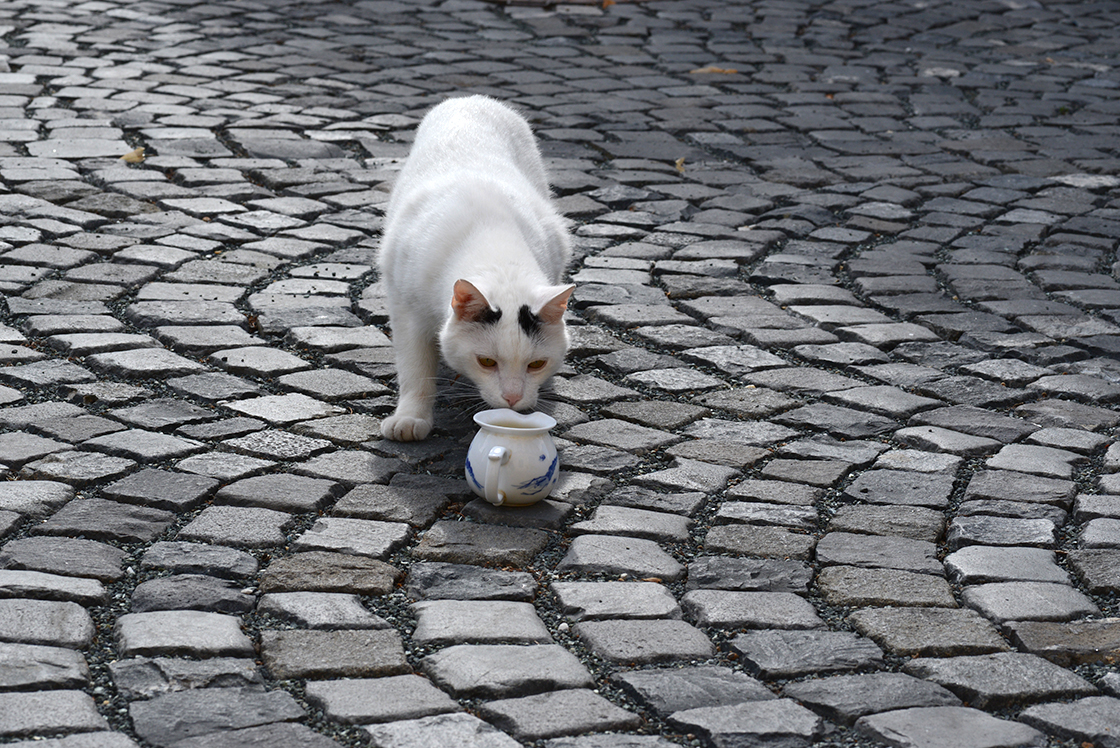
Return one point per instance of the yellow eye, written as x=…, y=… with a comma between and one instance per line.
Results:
x=539, y=364
x=486, y=363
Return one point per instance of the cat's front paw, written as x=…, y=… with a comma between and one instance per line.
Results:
x=405, y=428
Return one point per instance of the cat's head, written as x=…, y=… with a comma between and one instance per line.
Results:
x=509, y=346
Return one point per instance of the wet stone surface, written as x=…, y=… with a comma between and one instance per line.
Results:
x=837, y=424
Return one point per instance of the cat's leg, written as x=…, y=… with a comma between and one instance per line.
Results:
x=417, y=362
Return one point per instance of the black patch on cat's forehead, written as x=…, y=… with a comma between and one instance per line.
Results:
x=489, y=316
x=529, y=321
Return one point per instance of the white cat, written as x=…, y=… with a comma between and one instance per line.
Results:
x=471, y=260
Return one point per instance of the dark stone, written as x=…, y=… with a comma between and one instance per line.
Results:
x=322, y=571
x=162, y=489
x=69, y=556
x=175, y=716
x=998, y=680
x=470, y=543
x=197, y=558
x=108, y=520
x=442, y=581
x=901, y=487
x=788, y=654
x=846, y=698
x=191, y=592
x=748, y=574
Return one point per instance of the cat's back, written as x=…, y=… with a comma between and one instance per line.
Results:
x=473, y=183
x=473, y=137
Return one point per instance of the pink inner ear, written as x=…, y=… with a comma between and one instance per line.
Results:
x=553, y=310
x=467, y=301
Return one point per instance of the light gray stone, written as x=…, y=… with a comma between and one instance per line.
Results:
x=1028, y=601
x=60, y=624
x=901, y=487
x=757, y=540
x=284, y=409
x=932, y=632
x=977, y=564
x=38, y=584
x=478, y=544
x=243, y=527
x=441, y=731
x=642, y=523
x=780, y=722
x=689, y=475
x=611, y=554
x=49, y=712
x=1002, y=679
x=1010, y=531
x=371, y=700
x=610, y=740
x=503, y=670
x=31, y=666
x=948, y=727
x=915, y=522
x=1095, y=719
x=589, y=601
x=870, y=551
x=104, y=739
x=850, y=586
x=572, y=711
x=439, y=581
x=35, y=498
x=749, y=574
x=644, y=641
x=441, y=622
x=723, y=608
x=362, y=537
x=186, y=632
x=1068, y=643
x=320, y=610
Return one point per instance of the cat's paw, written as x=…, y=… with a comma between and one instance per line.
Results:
x=405, y=428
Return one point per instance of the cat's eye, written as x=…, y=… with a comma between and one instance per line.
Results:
x=486, y=363
x=536, y=365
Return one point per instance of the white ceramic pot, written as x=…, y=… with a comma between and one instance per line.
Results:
x=512, y=460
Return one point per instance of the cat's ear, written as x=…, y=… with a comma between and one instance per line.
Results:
x=468, y=302
x=553, y=309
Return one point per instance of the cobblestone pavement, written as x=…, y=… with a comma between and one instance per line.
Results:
x=837, y=423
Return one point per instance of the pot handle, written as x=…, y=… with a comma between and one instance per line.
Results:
x=497, y=457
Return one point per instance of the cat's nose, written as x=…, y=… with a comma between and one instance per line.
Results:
x=513, y=400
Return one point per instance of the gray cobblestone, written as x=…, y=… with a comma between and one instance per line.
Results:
x=845, y=331
x=950, y=726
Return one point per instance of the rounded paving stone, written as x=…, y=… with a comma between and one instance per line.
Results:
x=174, y=632
x=501, y=670
x=1028, y=601
x=644, y=641
x=571, y=711
x=242, y=527
x=948, y=727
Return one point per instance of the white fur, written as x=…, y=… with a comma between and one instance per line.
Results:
x=472, y=204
